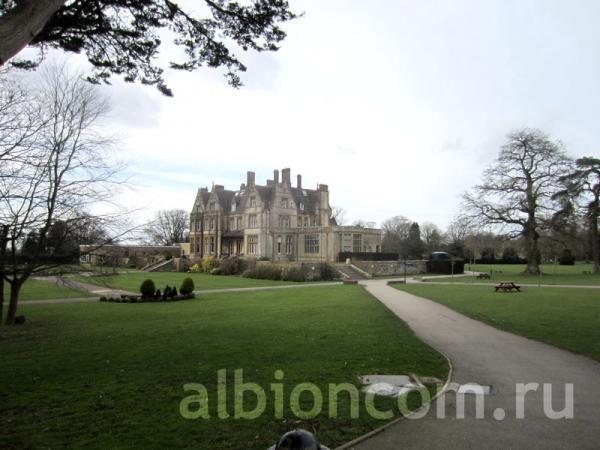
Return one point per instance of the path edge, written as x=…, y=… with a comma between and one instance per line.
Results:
x=370, y=434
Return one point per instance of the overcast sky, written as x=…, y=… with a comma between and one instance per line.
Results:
x=397, y=105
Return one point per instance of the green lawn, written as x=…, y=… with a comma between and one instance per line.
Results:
x=43, y=290
x=567, y=318
x=107, y=375
x=130, y=281
x=552, y=274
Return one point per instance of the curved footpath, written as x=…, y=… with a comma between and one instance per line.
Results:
x=487, y=356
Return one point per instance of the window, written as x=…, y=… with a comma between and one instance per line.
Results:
x=313, y=221
x=239, y=223
x=284, y=221
x=356, y=242
x=289, y=244
x=252, y=244
x=301, y=206
x=212, y=244
x=284, y=202
x=252, y=221
x=206, y=246
x=211, y=207
x=311, y=243
x=233, y=206
x=252, y=202
x=279, y=245
x=231, y=223
x=305, y=221
x=212, y=224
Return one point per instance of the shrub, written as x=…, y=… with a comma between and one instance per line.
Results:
x=567, y=258
x=147, y=288
x=103, y=299
x=166, y=293
x=445, y=266
x=209, y=263
x=249, y=273
x=196, y=268
x=187, y=286
x=216, y=271
x=230, y=266
x=328, y=273
x=268, y=272
x=297, y=274
x=157, y=294
x=173, y=292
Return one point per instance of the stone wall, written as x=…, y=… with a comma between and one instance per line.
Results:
x=391, y=268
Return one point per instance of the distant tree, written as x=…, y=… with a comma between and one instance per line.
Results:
x=169, y=227
x=431, y=236
x=338, y=214
x=414, y=244
x=488, y=255
x=395, y=234
x=509, y=254
x=360, y=223
x=121, y=37
x=456, y=234
x=581, y=190
x=518, y=189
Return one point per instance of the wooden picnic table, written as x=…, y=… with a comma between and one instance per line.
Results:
x=507, y=286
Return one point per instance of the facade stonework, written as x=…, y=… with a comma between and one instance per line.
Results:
x=277, y=221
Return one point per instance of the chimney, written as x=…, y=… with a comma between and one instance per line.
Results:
x=251, y=176
x=285, y=177
x=299, y=183
x=242, y=186
x=218, y=187
x=323, y=188
x=276, y=176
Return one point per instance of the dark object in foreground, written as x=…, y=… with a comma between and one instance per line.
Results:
x=507, y=286
x=298, y=440
x=19, y=320
x=483, y=275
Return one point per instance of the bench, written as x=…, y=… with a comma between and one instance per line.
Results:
x=483, y=275
x=507, y=286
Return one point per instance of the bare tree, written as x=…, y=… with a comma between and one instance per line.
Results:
x=169, y=227
x=338, y=214
x=518, y=188
x=60, y=172
x=432, y=236
x=395, y=234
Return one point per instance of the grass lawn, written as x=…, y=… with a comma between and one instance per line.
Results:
x=107, y=375
x=43, y=290
x=567, y=318
x=131, y=281
x=552, y=274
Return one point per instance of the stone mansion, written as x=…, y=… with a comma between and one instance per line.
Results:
x=276, y=222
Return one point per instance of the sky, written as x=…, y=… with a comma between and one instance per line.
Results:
x=397, y=105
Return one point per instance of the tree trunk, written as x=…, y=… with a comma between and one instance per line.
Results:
x=15, y=288
x=3, y=246
x=532, y=252
x=20, y=25
x=594, y=237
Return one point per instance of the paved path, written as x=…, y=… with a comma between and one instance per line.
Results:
x=112, y=292
x=87, y=287
x=485, y=355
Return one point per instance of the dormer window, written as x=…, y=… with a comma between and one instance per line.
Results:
x=233, y=205
x=211, y=207
x=284, y=202
x=252, y=202
x=301, y=206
